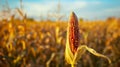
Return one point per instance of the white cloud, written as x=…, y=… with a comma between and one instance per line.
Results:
x=74, y=5
x=96, y=3
x=79, y=4
x=36, y=9
x=105, y=13
x=117, y=9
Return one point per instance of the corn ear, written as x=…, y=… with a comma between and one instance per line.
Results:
x=74, y=50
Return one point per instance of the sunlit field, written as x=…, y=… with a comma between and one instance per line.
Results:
x=34, y=44
x=26, y=42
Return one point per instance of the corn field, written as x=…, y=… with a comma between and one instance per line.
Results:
x=26, y=43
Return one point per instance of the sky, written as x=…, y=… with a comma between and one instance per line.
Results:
x=86, y=9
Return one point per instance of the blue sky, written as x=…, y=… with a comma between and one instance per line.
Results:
x=87, y=9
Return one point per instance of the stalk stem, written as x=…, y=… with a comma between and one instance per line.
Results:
x=73, y=65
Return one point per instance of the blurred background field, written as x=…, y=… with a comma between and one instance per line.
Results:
x=27, y=42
